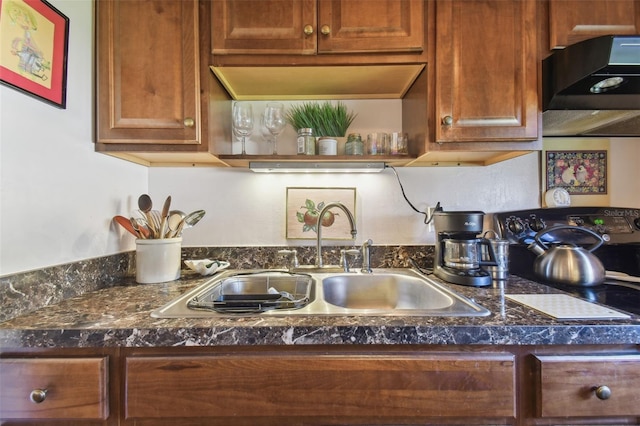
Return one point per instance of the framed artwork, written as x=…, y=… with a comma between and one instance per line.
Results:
x=34, y=38
x=304, y=206
x=579, y=172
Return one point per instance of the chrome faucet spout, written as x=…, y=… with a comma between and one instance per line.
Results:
x=326, y=208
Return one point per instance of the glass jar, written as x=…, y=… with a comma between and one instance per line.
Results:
x=327, y=146
x=354, y=145
x=306, y=142
x=377, y=143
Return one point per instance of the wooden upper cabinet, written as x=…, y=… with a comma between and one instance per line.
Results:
x=272, y=27
x=486, y=71
x=571, y=21
x=308, y=27
x=371, y=26
x=148, y=72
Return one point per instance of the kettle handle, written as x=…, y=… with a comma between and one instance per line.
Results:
x=595, y=245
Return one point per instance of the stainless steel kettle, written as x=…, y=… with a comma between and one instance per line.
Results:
x=566, y=263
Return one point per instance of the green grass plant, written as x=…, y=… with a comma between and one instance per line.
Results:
x=326, y=119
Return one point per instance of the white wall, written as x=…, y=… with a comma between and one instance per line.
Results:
x=246, y=208
x=624, y=172
x=57, y=195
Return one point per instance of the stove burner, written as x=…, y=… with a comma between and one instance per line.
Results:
x=619, y=227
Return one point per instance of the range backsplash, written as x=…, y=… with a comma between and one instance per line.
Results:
x=28, y=291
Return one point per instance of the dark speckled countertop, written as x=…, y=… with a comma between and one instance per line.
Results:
x=119, y=316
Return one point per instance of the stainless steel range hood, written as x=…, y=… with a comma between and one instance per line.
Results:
x=592, y=88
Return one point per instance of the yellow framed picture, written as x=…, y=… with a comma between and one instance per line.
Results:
x=34, y=38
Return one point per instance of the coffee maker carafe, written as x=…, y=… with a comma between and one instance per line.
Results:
x=458, y=250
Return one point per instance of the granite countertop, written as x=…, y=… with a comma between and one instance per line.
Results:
x=120, y=317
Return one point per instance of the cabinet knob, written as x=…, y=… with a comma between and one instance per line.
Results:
x=308, y=29
x=188, y=122
x=325, y=30
x=602, y=392
x=38, y=395
x=447, y=120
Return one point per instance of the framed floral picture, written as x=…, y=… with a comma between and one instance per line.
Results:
x=34, y=38
x=304, y=206
x=579, y=172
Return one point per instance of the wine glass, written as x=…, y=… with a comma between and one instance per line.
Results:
x=243, y=121
x=274, y=121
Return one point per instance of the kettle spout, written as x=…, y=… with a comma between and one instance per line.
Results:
x=536, y=248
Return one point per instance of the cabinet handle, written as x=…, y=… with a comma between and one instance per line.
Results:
x=325, y=30
x=447, y=120
x=38, y=395
x=602, y=392
x=308, y=29
x=188, y=122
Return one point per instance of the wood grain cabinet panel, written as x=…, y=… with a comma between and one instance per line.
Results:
x=259, y=26
x=75, y=388
x=309, y=27
x=148, y=72
x=486, y=71
x=371, y=26
x=574, y=386
x=320, y=388
x=571, y=21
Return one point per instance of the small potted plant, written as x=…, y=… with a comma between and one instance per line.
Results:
x=326, y=119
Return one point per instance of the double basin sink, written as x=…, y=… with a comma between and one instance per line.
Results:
x=384, y=292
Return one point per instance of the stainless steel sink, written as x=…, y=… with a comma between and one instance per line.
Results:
x=385, y=292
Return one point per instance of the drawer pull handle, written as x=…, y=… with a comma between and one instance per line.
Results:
x=325, y=30
x=38, y=395
x=602, y=392
x=308, y=30
x=188, y=122
x=447, y=120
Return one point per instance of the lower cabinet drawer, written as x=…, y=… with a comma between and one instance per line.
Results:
x=317, y=385
x=54, y=388
x=605, y=385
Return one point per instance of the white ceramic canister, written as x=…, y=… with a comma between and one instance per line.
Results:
x=158, y=260
x=327, y=146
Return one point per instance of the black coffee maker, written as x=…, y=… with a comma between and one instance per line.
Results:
x=459, y=250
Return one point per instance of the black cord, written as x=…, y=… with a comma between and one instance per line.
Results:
x=427, y=218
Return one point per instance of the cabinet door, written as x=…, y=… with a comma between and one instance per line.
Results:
x=313, y=388
x=571, y=21
x=263, y=26
x=148, y=72
x=54, y=388
x=570, y=386
x=371, y=26
x=486, y=79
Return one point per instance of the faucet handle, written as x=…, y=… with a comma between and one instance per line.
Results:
x=290, y=254
x=366, y=256
x=343, y=257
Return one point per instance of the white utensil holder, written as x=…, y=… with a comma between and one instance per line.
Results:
x=158, y=260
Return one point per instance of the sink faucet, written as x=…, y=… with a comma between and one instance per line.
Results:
x=326, y=208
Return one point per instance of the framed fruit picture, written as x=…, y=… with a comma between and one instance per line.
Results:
x=303, y=210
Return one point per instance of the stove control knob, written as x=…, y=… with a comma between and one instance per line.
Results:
x=537, y=224
x=516, y=226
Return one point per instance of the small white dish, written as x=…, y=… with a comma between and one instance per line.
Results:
x=206, y=266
